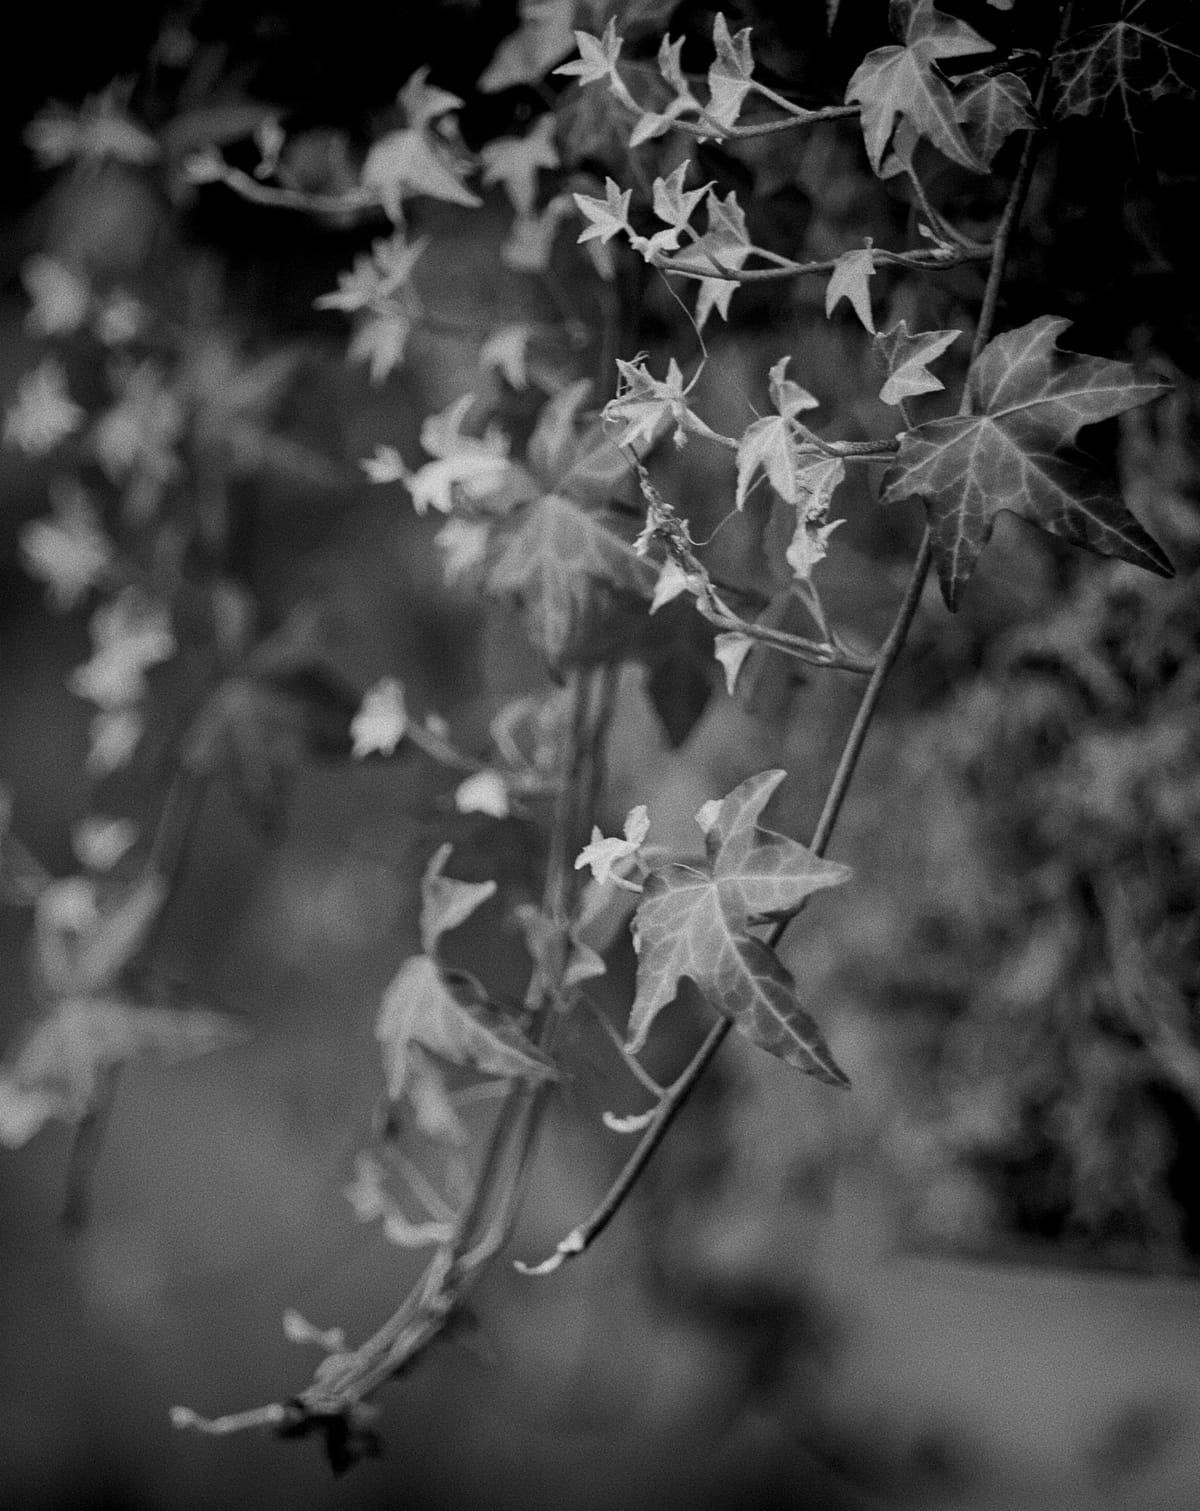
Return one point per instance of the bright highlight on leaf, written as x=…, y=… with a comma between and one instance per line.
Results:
x=700, y=922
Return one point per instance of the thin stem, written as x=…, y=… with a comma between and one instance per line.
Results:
x=346, y=1378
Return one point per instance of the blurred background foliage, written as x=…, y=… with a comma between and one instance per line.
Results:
x=1014, y=989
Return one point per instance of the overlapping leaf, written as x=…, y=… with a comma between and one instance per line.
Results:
x=1015, y=449
x=56, y=1072
x=698, y=922
x=991, y=108
x=894, y=85
x=430, y=1010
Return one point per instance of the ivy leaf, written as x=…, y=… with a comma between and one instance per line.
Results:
x=672, y=202
x=563, y=566
x=895, y=84
x=56, y=1071
x=1015, y=450
x=515, y=161
x=769, y=443
x=731, y=74
x=584, y=464
x=727, y=240
x=907, y=358
x=992, y=108
x=82, y=945
x=1121, y=62
x=405, y=162
x=607, y=217
x=445, y=902
x=696, y=922
x=849, y=280
x=543, y=38
x=646, y=405
x=446, y=1012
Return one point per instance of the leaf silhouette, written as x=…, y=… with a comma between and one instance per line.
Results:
x=556, y=562
x=902, y=84
x=1015, y=450
x=696, y=922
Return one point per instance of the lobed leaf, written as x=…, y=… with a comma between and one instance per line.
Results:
x=695, y=922
x=562, y=565
x=907, y=358
x=897, y=85
x=1015, y=449
x=446, y=1013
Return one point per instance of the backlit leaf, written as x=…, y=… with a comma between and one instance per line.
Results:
x=1122, y=63
x=1015, y=449
x=850, y=280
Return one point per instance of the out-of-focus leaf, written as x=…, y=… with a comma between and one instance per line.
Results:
x=445, y=902
x=54, y=1073
x=446, y=1013
x=81, y=952
x=544, y=37
x=557, y=561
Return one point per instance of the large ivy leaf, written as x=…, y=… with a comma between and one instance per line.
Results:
x=697, y=921
x=903, y=84
x=564, y=567
x=1122, y=62
x=1015, y=449
x=446, y=1012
